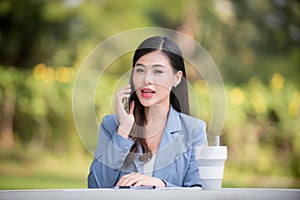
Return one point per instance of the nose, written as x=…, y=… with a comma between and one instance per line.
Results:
x=148, y=78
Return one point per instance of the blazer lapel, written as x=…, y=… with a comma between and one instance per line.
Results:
x=171, y=145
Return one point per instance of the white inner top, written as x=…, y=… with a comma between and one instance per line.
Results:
x=149, y=166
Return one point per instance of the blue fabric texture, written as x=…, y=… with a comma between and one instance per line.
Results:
x=175, y=162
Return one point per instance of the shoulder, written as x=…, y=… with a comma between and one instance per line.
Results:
x=179, y=121
x=191, y=122
x=194, y=129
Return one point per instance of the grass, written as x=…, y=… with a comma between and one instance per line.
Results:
x=45, y=172
x=39, y=181
x=241, y=179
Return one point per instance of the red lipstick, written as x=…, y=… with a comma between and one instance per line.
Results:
x=147, y=92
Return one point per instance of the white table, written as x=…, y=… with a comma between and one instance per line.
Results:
x=170, y=194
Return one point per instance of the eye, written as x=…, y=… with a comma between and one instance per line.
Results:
x=158, y=71
x=139, y=70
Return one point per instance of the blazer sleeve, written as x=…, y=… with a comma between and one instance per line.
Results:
x=110, y=154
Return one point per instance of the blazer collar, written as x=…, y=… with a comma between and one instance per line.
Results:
x=173, y=122
x=173, y=127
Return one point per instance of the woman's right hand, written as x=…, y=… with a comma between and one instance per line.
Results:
x=126, y=120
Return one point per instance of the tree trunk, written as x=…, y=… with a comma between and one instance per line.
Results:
x=7, y=136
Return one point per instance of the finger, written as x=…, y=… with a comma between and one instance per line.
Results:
x=144, y=180
x=119, y=106
x=121, y=93
x=129, y=179
x=126, y=89
x=132, y=180
x=128, y=86
x=120, y=99
x=124, y=178
x=138, y=183
x=128, y=175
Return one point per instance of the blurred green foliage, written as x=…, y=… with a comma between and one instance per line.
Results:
x=255, y=44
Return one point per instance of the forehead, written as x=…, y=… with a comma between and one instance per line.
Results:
x=154, y=58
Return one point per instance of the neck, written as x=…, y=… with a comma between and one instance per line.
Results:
x=156, y=113
x=156, y=122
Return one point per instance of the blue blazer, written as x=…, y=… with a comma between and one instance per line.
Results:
x=175, y=162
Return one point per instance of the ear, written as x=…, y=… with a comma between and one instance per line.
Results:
x=177, y=78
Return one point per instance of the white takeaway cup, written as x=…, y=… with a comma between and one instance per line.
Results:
x=211, y=160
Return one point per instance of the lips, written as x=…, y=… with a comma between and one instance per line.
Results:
x=147, y=92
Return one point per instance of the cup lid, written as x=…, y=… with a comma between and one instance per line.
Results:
x=211, y=152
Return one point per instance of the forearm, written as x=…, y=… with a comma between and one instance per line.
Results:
x=108, y=162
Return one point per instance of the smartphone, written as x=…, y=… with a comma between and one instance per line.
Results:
x=126, y=101
x=126, y=104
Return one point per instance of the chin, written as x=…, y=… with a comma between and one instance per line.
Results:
x=146, y=104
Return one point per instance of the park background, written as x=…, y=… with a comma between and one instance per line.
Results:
x=254, y=43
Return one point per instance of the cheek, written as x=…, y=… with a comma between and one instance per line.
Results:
x=165, y=83
x=137, y=81
x=163, y=88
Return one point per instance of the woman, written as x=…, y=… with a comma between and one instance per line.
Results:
x=153, y=143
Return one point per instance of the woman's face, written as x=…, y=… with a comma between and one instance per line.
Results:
x=153, y=79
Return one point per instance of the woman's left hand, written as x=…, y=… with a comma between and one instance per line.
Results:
x=136, y=179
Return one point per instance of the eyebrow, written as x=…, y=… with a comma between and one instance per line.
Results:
x=155, y=65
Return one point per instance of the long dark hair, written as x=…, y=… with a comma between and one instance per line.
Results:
x=178, y=96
